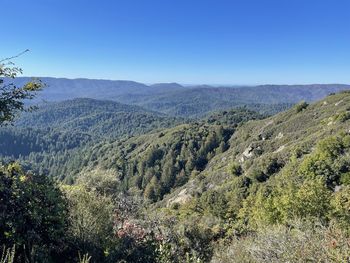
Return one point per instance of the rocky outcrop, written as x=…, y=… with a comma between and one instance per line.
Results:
x=181, y=198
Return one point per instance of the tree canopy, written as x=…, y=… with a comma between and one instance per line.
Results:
x=13, y=97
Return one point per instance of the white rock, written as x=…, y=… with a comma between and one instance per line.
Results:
x=248, y=152
x=279, y=136
x=280, y=149
x=338, y=102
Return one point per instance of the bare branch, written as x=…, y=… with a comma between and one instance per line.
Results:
x=16, y=56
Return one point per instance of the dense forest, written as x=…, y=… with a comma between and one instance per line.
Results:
x=184, y=101
x=88, y=180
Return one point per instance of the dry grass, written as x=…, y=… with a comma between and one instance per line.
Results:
x=7, y=255
x=299, y=242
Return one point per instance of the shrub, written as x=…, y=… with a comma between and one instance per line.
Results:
x=91, y=219
x=33, y=214
x=341, y=206
x=342, y=117
x=8, y=255
x=301, y=241
x=235, y=169
x=301, y=106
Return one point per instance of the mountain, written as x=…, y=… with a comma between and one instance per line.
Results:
x=162, y=155
x=95, y=117
x=227, y=177
x=58, y=89
x=196, y=101
x=189, y=101
x=61, y=129
x=257, y=146
x=234, y=186
x=222, y=139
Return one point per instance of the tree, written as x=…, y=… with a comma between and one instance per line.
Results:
x=12, y=97
x=301, y=106
x=235, y=169
x=32, y=214
x=91, y=219
x=341, y=206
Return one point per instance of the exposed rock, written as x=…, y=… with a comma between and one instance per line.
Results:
x=279, y=136
x=268, y=123
x=182, y=198
x=248, y=152
x=210, y=186
x=260, y=134
x=241, y=160
x=337, y=188
x=338, y=102
x=280, y=149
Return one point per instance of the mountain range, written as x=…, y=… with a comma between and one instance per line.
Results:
x=178, y=100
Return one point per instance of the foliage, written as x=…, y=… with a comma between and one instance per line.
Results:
x=85, y=258
x=13, y=97
x=223, y=188
x=300, y=173
x=71, y=129
x=235, y=169
x=301, y=106
x=341, y=206
x=33, y=214
x=8, y=255
x=300, y=241
x=90, y=217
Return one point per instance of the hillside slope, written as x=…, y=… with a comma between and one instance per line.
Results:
x=185, y=101
x=96, y=117
x=47, y=139
x=238, y=188
x=294, y=164
x=196, y=101
x=155, y=163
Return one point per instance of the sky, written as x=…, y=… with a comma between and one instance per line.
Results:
x=219, y=42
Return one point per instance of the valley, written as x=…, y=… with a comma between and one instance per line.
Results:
x=223, y=174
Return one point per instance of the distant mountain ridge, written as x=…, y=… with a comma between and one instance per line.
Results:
x=177, y=100
x=95, y=117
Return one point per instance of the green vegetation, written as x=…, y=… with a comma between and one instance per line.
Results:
x=190, y=101
x=66, y=130
x=12, y=96
x=300, y=241
x=97, y=118
x=100, y=181
x=287, y=168
x=33, y=214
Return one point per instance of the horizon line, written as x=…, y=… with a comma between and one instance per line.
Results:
x=187, y=84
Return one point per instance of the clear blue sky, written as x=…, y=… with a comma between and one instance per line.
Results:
x=186, y=41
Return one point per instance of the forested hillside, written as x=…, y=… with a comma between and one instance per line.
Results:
x=101, y=181
x=196, y=101
x=235, y=184
x=95, y=117
x=153, y=164
x=175, y=131
x=184, y=101
x=54, y=134
x=278, y=175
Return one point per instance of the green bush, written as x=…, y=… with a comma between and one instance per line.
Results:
x=33, y=214
x=301, y=106
x=341, y=206
x=342, y=117
x=300, y=241
x=235, y=169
